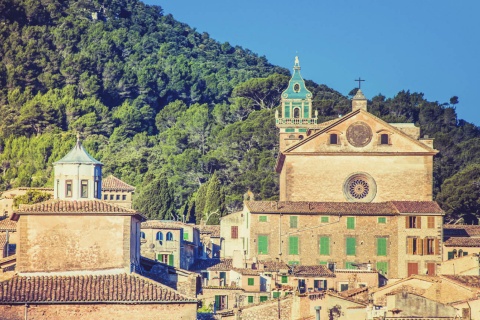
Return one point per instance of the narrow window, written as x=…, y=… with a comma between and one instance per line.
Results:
x=68, y=188
x=296, y=113
x=111, y=197
x=251, y=281
x=250, y=299
x=185, y=235
x=384, y=138
x=343, y=286
x=351, y=246
x=293, y=221
x=350, y=222
x=333, y=138
x=105, y=197
x=84, y=189
x=284, y=279
x=159, y=237
x=413, y=222
x=325, y=246
x=234, y=232
x=142, y=235
x=293, y=245
x=118, y=197
x=431, y=222
x=381, y=246
x=124, y=197
x=169, y=236
x=262, y=244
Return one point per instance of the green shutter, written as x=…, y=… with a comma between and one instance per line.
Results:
x=381, y=246
x=262, y=244
x=250, y=299
x=382, y=220
x=263, y=298
x=323, y=263
x=293, y=245
x=170, y=260
x=284, y=279
x=451, y=255
x=276, y=295
x=185, y=236
x=350, y=222
x=251, y=281
x=287, y=111
x=465, y=253
x=293, y=221
x=349, y=265
x=262, y=218
x=305, y=111
x=325, y=246
x=382, y=267
x=217, y=302
x=293, y=263
x=324, y=220
x=351, y=246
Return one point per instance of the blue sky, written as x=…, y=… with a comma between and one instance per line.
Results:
x=423, y=46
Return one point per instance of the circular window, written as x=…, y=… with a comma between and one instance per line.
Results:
x=359, y=134
x=360, y=187
x=296, y=87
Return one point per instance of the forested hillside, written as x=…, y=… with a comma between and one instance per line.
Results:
x=184, y=118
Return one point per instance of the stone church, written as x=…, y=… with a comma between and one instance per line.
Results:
x=354, y=191
x=78, y=256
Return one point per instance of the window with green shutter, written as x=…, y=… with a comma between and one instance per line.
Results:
x=325, y=246
x=381, y=246
x=293, y=263
x=351, y=246
x=251, y=281
x=185, y=236
x=217, y=302
x=250, y=299
x=262, y=244
x=263, y=298
x=323, y=263
x=450, y=255
x=170, y=260
x=350, y=222
x=293, y=221
x=350, y=265
x=276, y=295
x=382, y=266
x=382, y=220
x=293, y=245
x=324, y=219
x=284, y=279
x=262, y=218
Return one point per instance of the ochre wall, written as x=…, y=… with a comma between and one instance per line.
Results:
x=71, y=243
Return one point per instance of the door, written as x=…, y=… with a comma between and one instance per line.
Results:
x=412, y=268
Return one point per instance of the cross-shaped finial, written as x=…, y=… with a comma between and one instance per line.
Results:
x=359, y=82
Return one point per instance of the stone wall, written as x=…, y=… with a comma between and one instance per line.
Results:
x=168, y=311
x=269, y=310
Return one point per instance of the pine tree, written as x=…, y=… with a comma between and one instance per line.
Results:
x=156, y=201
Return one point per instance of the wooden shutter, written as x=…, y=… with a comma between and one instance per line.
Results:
x=407, y=222
x=351, y=246
x=350, y=222
x=217, y=302
x=262, y=244
x=437, y=246
x=419, y=222
x=234, y=232
x=325, y=246
x=170, y=260
x=431, y=222
x=381, y=246
x=431, y=268
x=293, y=245
x=425, y=246
x=293, y=222
x=419, y=246
x=412, y=268
x=409, y=245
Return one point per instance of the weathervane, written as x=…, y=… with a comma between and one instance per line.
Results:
x=359, y=82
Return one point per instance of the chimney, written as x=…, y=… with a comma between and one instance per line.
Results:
x=359, y=101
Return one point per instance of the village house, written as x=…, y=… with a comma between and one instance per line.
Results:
x=116, y=191
x=460, y=240
x=66, y=269
x=211, y=241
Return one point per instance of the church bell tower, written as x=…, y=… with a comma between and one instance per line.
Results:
x=296, y=110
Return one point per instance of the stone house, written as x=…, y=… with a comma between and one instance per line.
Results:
x=460, y=240
x=171, y=242
x=78, y=256
x=118, y=192
x=465, y=266
x=7, y=198
x=348, y=279
x=210, y=240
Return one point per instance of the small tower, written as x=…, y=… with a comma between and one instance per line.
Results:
x=78, y=176
x=359, y=101
x=296, y=110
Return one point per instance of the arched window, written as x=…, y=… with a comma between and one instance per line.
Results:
x=454, y=253
x=460, y=253
x=159, y=235
x=142, y=235
x=296, y=113
x=169, y=236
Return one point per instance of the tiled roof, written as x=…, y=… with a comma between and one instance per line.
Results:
x=273, y=266
x=8, y=225
x=72, y=206
x=316, y=270
x=353, y=292
x=112, y=183
x=247, y=272
x=201, y=264
x=353, y=208
x=163, y=224
x=78, y=154
x=462, y=242
x=222, y=265
x=3, y=240
x=8, y=259
x=469, y=281
x=121, y=288
x=213, y=230
x=458, y=230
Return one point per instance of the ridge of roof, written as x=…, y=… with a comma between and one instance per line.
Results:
x=113, y=183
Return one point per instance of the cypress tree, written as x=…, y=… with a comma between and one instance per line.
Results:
x=156, y=201
x=215, y=201
x=200, y=202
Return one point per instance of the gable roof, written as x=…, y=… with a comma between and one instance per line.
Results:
x=76, y=207
x=212, y=230
x=7, y=225
x=353, y=208
x=312, y=271
x=462, y=242
x=281, y=157
x=112, y=183
x=458, y=230
x=120, y=288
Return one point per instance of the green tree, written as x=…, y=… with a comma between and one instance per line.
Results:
x=31, y=197
x=156, y=200
x=263, y=92
x=214, y=201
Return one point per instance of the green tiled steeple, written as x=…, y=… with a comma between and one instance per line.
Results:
x=296, y=87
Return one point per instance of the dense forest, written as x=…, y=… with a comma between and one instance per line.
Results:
x=188, y=120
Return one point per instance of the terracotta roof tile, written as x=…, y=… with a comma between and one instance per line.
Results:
x=213, y=230
x=469, y=281
x=8, y=259
x=164, y=224
x=462, y=242
x=73, y=206
x=273, y=266
x=3, y=240
x=353, y=292
x=122, y=288
x=247, y=272
x=316, y=270
x=354, y=208
x=209, y=263
x=455, y=230
x=8, y=225
x=222, y=265
x=112, y=183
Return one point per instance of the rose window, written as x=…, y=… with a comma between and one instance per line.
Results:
x=359, y=189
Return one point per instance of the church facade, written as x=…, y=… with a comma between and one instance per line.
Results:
x=353, y=191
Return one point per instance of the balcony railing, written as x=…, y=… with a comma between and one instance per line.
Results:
x=294, y=121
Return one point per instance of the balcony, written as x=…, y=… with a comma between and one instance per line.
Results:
x=296, y=121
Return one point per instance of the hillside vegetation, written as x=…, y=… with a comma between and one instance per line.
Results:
x=167, y=108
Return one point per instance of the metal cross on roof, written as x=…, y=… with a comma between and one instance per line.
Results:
x=359, y=82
